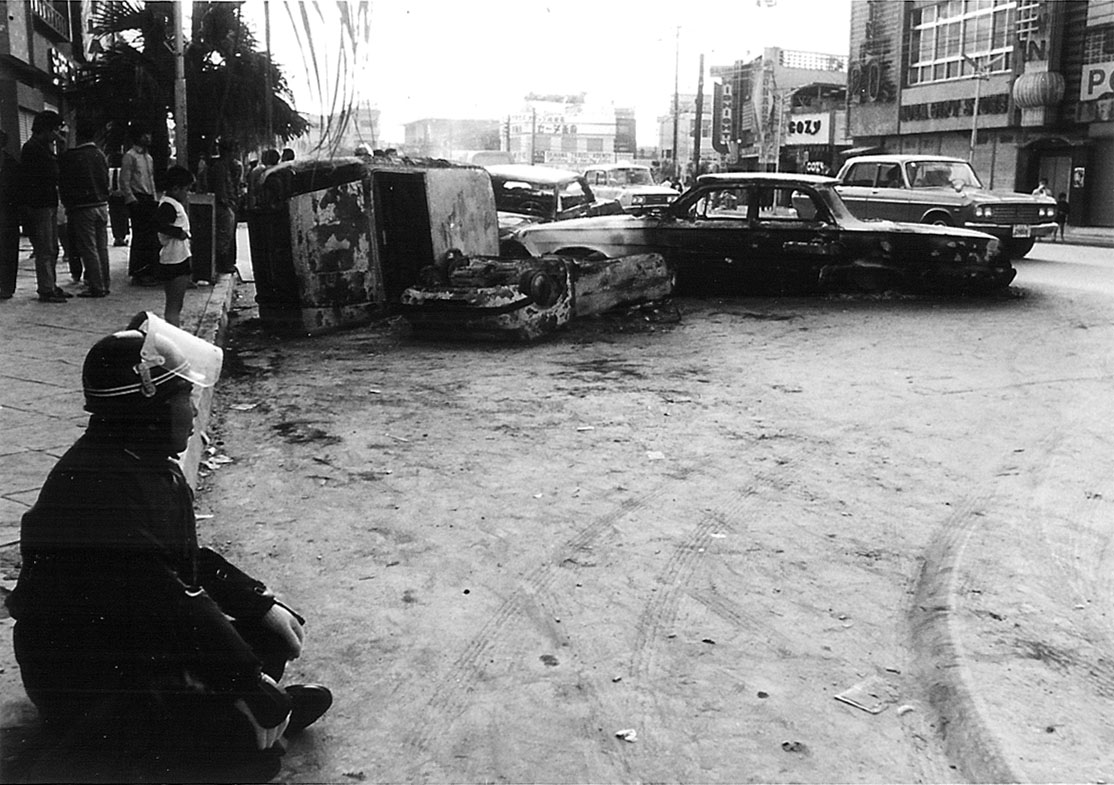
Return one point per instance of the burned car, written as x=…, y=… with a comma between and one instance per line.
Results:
x=946, y=191
x=526, y=194
x=749, y=232
x=631, y=184
x=525, y=299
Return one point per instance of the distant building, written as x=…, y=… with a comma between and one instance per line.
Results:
x=686, y=130
x=1045, y=102
x=753, y=99
x=436, y=137
x=35, y=62
x=570, y=132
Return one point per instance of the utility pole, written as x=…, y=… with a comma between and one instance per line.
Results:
x=268, y=97
x=981, y=72
x=676, y=103
x=181, y=135
x=697, y=132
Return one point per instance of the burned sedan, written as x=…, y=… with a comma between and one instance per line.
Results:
x=747, y=232
x=526, y=194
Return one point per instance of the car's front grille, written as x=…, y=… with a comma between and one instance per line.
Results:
x=656, y=199
x=1016, y=213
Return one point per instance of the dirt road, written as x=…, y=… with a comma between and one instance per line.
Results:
x=700, y=531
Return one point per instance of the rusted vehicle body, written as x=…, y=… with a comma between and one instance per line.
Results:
x=945, y=191
x=335, y=242
x=779, y=233
x=526, y=299
x=526, y=194
x=632, y=185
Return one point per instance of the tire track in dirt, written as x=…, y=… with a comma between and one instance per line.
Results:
x=938, y=643
x=450, y=694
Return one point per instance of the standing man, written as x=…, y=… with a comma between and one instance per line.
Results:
x=225, y=178
x=83, y=188
x=137, y=183
x=9, y=218
x=39, y=178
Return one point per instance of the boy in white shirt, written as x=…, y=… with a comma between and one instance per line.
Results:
x=174, y=268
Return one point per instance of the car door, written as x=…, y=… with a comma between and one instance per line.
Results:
x=793, y=238
x=857, y=186
x=710, y=244
x=891, y=199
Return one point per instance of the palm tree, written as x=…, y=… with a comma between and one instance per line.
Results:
x=230, y=84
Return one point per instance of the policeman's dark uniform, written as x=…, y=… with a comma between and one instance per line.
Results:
x=122, y=620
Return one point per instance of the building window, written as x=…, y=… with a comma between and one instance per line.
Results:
x=948, y=39
x=1098, y=47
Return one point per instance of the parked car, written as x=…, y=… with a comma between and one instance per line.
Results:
x=631, y=184
x=770, y=232
x=946, y=191
x=526, y=194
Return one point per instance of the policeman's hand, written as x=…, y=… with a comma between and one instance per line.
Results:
x=286, y=625
x=268, y=710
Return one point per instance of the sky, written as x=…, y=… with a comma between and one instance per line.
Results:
x=478, y=59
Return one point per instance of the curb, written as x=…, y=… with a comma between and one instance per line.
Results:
x=207, y=320
x=968, y=740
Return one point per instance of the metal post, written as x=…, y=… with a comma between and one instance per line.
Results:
x=975, y=118
x=699, y=119
x=677, y=177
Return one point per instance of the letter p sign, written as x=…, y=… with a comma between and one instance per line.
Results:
x=1098, y=79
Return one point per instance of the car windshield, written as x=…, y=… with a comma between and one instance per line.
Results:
x=941, y=174
x=634, y=176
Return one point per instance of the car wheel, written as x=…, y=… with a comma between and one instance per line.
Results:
x=938, y=219
x=542, y=289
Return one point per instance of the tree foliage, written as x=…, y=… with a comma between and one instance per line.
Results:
x=132, y=78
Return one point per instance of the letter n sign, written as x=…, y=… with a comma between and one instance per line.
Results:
x=1098, y=80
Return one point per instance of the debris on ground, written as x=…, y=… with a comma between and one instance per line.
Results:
x=627, y=734
x=873, y=695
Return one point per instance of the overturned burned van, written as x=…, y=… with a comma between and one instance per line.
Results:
x=335, y=243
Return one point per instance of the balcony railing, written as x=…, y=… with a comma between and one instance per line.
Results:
x=51, y=17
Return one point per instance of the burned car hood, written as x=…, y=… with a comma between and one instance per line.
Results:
x=929, y=230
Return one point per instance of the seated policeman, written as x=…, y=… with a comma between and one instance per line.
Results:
x=131, y=638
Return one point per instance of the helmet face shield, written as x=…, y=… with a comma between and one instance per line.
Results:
x=178, y=352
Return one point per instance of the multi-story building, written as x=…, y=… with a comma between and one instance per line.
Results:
x=568, y=131
x=686, y=131
x=752, y=100
x=1023, y=88
x=35, y=61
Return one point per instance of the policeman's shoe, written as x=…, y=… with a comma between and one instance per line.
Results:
x=60, y=292
x=307, y=703
x=51, y=298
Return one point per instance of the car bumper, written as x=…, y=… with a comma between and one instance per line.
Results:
x=1014, y=231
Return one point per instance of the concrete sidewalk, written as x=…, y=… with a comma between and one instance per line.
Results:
x=43, y=348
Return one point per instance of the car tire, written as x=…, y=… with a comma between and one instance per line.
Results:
x=938, y=219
